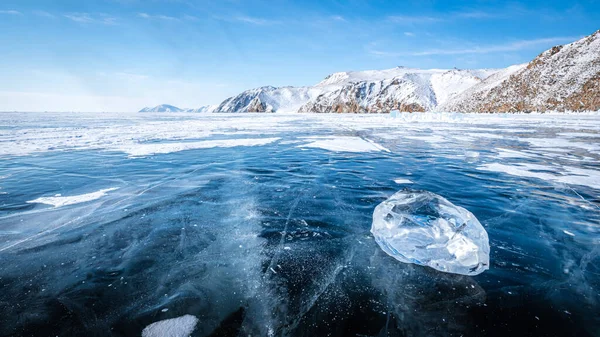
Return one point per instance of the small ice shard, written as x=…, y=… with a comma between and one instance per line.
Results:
x=424, y=228
x=175, y=327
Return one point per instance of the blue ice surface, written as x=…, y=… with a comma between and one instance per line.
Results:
x=275, y=240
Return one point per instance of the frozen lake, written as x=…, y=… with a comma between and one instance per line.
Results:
x=259, y=224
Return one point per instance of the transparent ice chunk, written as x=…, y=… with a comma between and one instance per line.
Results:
x=424, y=228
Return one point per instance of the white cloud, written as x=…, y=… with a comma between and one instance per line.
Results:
x=475, y=14
x=338, y=18
x=88, y=18
x=10, y=12
x=248, y=20
x=489, y=49
x=410, y=34
x=465, y=14
x=157, y=17
x=44, y=14
x=190, y=18
x=410, y=19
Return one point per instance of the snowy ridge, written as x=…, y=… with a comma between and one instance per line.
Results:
x=563, y=78
x=171, y=108
x=403, y=89
x=398, y=88
x=202, y=109
x=269, y=99
x=162, y=108
x=478, y=92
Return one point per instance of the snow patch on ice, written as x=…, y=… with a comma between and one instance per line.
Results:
x=553, y=143
x=430, y=139
x=579, y=135
x=508, y=153
x=569, y=174
x=344, y=144
x=139, y=150
x=59, y=201
x=175, y=327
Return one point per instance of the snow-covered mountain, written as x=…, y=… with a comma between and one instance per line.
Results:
x=399, y=88
x=171, y=108
x=202, y=109
x=561, y=78
x=162, y=108
x=403, y=89
x=270, y=99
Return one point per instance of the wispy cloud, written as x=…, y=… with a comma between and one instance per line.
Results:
x=410, y=19
x=489, y=49
x=87, y=18
x=338, y=18
x=248, y=20
x=465, y=14
x=44, y=14
x=10, y=12
x=190, y=18
x=157, y=17
x=475, y=14
x=166, y=17
x=131, y=76
x=409, y=34
x=255, y=20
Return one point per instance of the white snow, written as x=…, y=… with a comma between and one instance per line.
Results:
x=579, y=135
x=553, y=143
x=344, y=144
x=553, y=76
x=139, y=150
x=426, y=87
x=59, y=201
x=162, y=108
x=283, y=99
x=434, y=139
x=469, y=95
x=559, y=174
x=137, y=135
x=175, y=327
x=401, y=181
x=378, y=90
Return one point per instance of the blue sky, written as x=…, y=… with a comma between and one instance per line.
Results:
x=121, y=55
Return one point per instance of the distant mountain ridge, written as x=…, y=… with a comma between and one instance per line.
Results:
x=563, y=78
x=171, y=108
